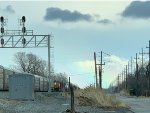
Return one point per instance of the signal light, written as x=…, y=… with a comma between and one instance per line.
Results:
x=23, y=41
x=23, y=18
x=2, y=19
x=2, y=30
x=2, y=41
x=24, y=29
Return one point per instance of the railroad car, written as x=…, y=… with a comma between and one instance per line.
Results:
x=40, y=82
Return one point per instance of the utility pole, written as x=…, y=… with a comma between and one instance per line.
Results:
x=100, y=70
x=94, y=82
x=49, y=65
x=95, y=69
x=126, y=76
x=118, y=83
x=128, y=67
x=122, y=80
x=100, y=77
x=131, y=65
x=149, y=68
x=142, y=53
x=136, y=76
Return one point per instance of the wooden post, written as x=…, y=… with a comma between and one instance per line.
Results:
x=72, y=97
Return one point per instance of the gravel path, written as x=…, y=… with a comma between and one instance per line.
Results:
x=47, y=103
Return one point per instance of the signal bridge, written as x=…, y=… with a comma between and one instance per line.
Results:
x=24, y=39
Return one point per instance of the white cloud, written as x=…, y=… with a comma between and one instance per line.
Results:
x=87, y=65
x=115, y=60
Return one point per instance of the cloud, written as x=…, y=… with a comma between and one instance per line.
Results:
x=9, y=9
x=86, y=65
x=137, y=9
x=105, y=21
x=65, y=15
x=115, y=60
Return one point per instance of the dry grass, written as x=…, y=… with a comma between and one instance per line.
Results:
x=96, y=97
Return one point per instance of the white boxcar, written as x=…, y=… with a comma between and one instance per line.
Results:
x=21, y=86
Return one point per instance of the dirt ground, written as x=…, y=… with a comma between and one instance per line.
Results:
x=48, y=103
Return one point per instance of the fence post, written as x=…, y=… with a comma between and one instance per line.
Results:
x=72, y=99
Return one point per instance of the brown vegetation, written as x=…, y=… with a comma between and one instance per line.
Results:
x=91, y=96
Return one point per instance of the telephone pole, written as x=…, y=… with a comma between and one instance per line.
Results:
x=126, y=76
x=95, y=69
x=137, y=76
x=100, y=77
x=128, y=67
x=122, y=80
x=118, y=82
x=100, y=70
x=149, y=68
x=142, y=53
x=131, y=65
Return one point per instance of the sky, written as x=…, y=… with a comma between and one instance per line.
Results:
x=80, y=28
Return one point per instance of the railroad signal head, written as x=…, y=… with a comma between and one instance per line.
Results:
x=2, y=30
x=2, y=19
x=2, y=41
x=24, y=29
x=23, y=18
x=23, y=41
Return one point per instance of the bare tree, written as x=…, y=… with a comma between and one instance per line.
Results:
x=30, y=63
x=21, y=61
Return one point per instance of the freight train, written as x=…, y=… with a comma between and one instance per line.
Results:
x=58, y=86
x=41, y=83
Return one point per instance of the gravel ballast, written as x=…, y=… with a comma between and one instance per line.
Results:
x=47, y=103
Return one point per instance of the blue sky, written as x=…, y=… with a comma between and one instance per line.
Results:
x=120, y=28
